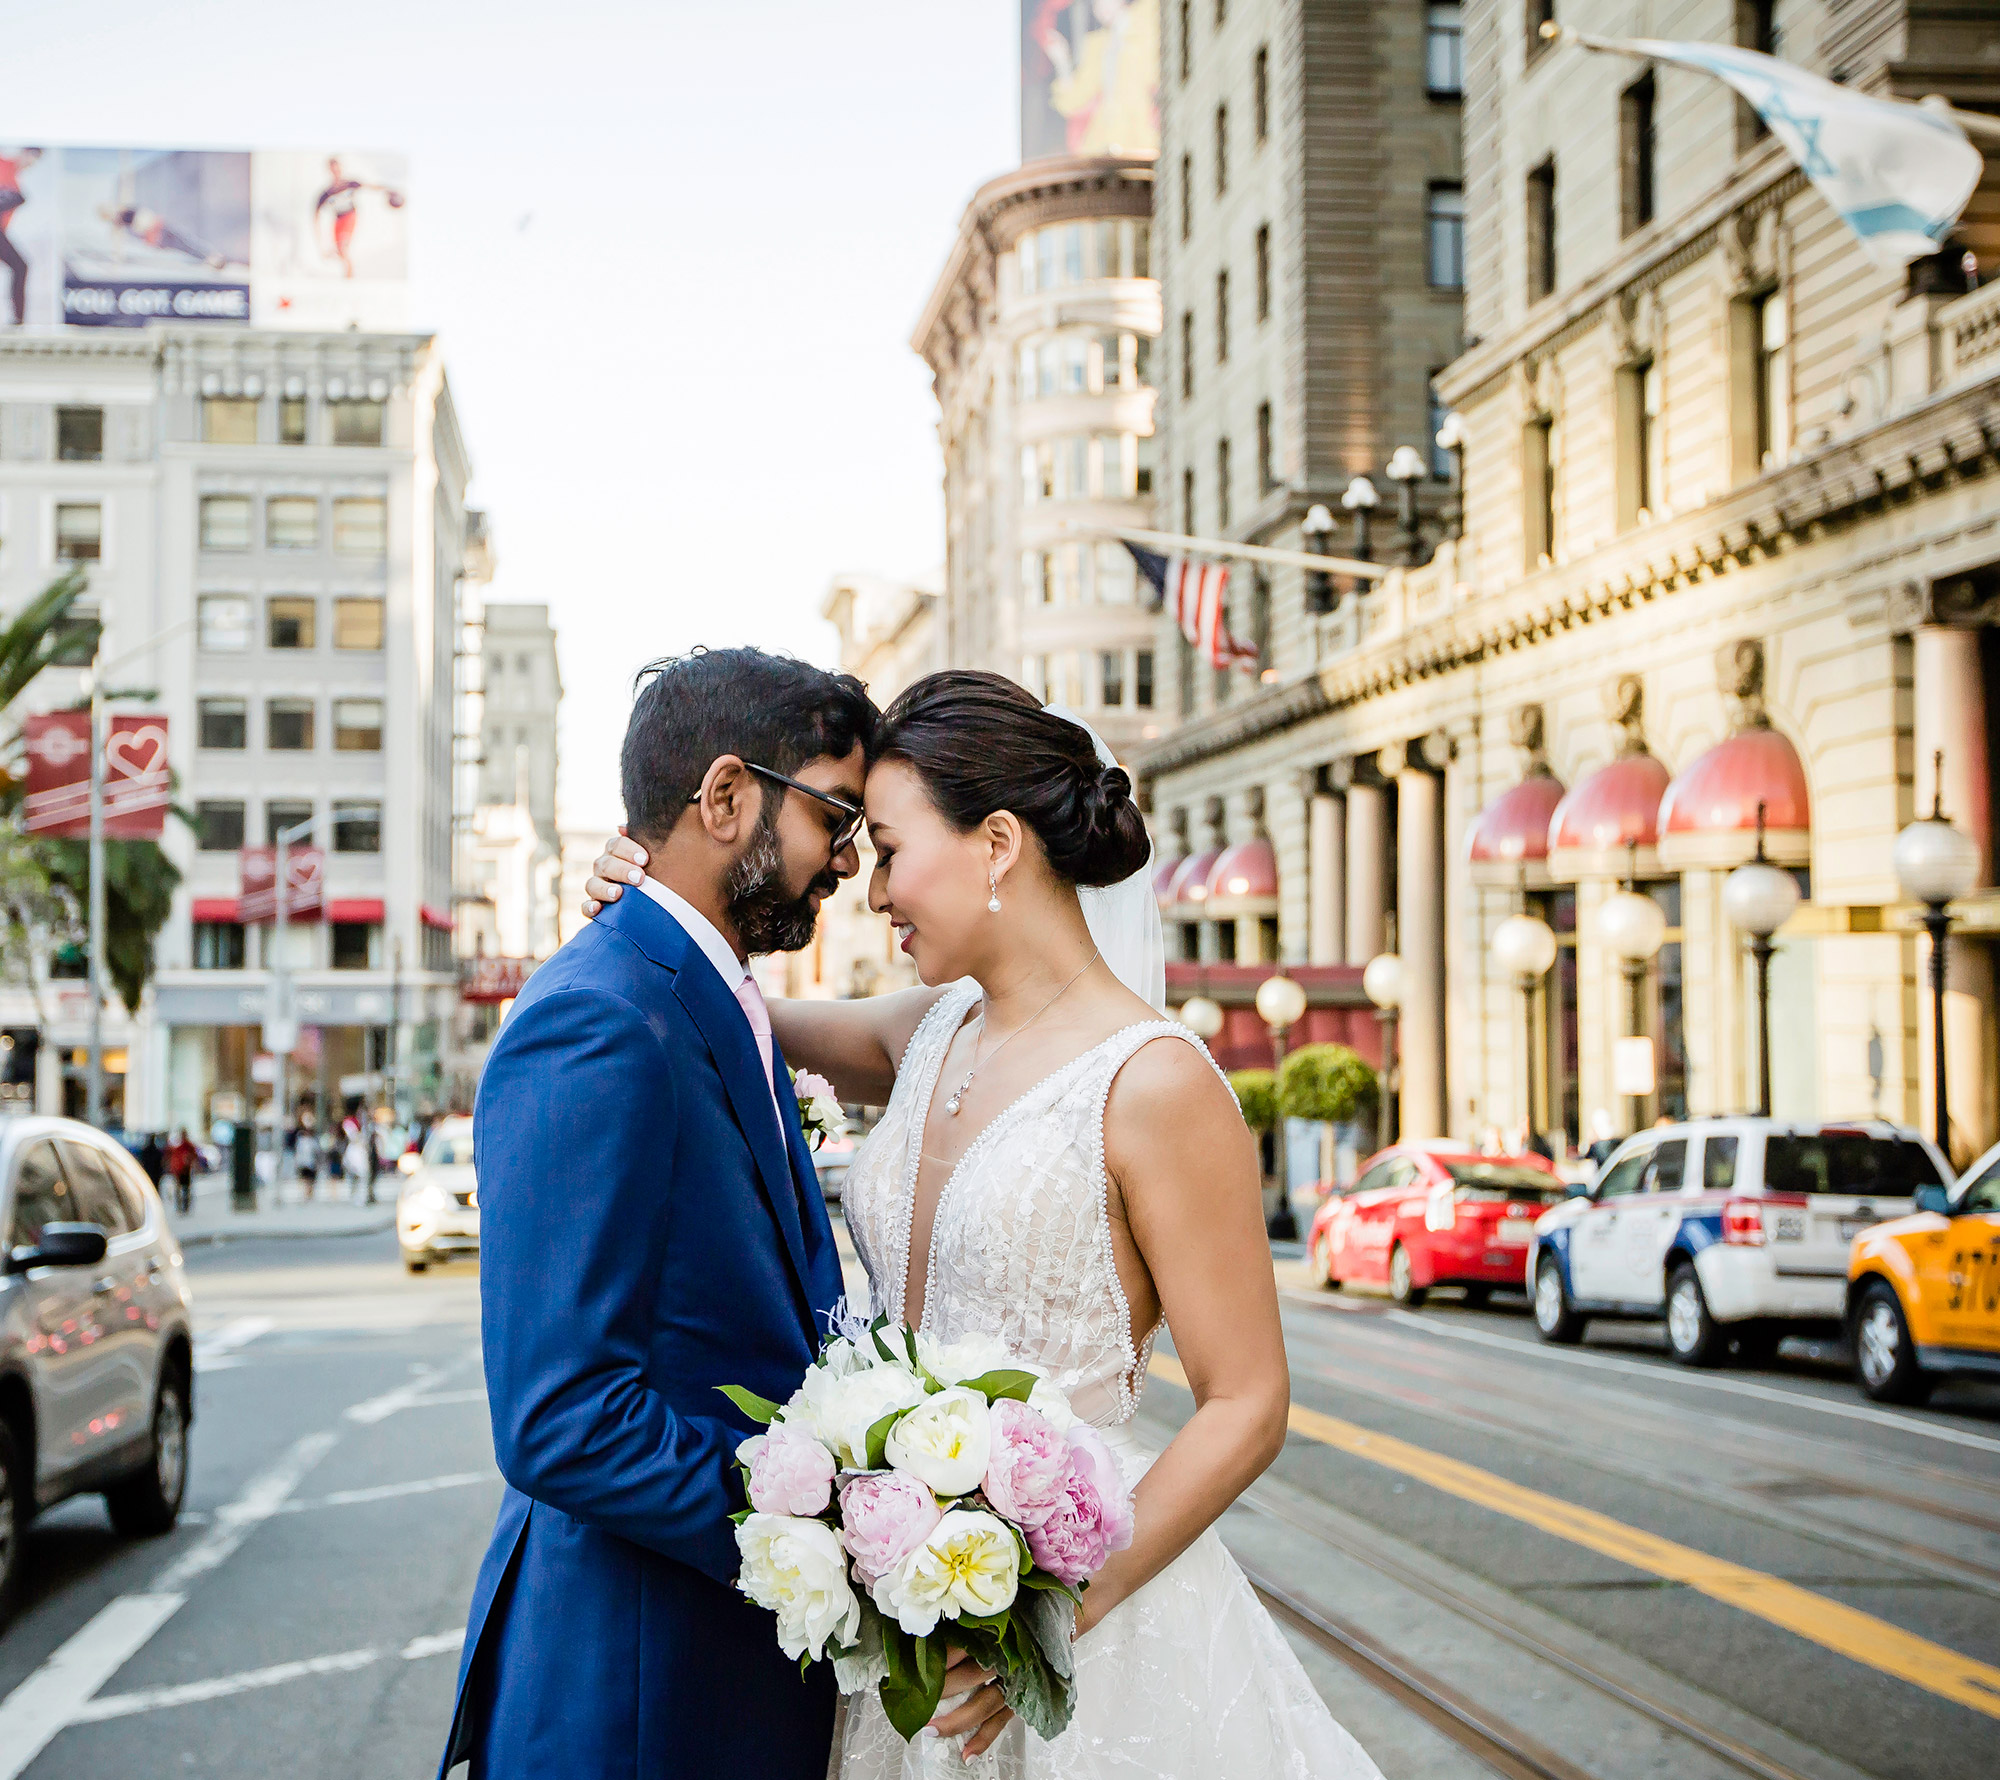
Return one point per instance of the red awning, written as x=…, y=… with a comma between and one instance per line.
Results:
x=1190, y=881
x=1244, y=881
x=1709, y=814
x=1510, y=841
x=1596, y=827
x=433, y=916
x=216, y=908
x=355, y=908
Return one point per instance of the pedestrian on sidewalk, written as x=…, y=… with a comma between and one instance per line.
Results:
x=305, y=1151
x=181, y=1160
x=153, y=1157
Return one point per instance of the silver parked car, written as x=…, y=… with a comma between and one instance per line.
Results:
x=437, y=1211
x=96, y=1345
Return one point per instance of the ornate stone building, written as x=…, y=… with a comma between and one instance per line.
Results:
x=1729, y=539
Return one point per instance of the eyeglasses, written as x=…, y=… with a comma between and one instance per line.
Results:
x=850, y=814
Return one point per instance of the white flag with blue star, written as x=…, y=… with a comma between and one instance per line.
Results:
x=1897, y=173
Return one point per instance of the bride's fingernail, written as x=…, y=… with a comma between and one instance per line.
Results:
x=929, y=1730
x=635, y=876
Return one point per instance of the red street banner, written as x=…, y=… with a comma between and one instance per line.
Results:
x=135, y=776
x=305, y=884
x=493, y=979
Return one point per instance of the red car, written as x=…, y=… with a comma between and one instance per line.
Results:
x=1420, y=1217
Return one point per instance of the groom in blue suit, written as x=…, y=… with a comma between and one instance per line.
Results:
x=651, y=1228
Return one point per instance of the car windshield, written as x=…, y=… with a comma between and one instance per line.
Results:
x=1846, y=1162
x=451, y=1149
x=1477, y=1181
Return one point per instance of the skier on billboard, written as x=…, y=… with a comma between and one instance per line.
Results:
x=342, y=198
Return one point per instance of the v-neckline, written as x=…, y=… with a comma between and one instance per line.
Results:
x=913, y=1159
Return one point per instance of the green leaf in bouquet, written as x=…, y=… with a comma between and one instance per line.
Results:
x=878, y=1437
x=908, y=1698
x=1003, y=1383
x=758, y=1409
x=741, y=1515
x=1043, y=1580
x=1039, y=1679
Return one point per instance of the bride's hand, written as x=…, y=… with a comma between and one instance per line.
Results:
x=984, y=1713
x=617, y=866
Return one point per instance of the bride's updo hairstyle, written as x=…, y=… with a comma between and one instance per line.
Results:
x=979, y=743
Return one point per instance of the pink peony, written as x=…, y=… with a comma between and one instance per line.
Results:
x=790, y=1473
x=1029, y=1464
x=808, y=1086
x=1093, y=1460
x=885, y=1517
x=1070, y=1543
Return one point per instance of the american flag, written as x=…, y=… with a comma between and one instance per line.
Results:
x=1195, y=592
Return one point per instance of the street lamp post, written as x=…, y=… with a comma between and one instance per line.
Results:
x=1759, y=898
x=1382, y=983
x=1281, y=1004
x=1360, y=499
x=281, y=1032
x=1451, y=438
x=1406, y=470
x=1318, y=528
x=1936, y=863
x=1525, y=948
x=1201, y=1016
x=1633, y=926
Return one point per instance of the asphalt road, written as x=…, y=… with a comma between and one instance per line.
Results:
x=1493, y=1557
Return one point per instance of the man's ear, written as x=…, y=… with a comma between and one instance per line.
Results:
x=729, y=801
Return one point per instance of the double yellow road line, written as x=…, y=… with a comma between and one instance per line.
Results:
x=1859, y=1636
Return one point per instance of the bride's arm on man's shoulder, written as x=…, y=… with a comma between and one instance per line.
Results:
x=1187, y=1184
x=856, y=1045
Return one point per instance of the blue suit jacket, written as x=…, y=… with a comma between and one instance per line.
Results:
x=647, y=1234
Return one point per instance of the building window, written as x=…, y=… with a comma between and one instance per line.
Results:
x=288, y=725
x=357, y=826
x=1187, y=503
x=1641, y=445
x=357, y=423
x=225, y=522
x=1538, y=491
x=357, y=623
x=291, y=522
x=1440, y=459
x=218, y=945
x=1142, y=679
x=1444, y=53
x=1185, y=652
x=1260, y=93
x=1264, y=272
x=1222, y=318
x=1187, y=40
x=1142, y=479
x=1260, y=613
x=360, y=526
x=1111, y=677
x=292, y=421
x=1773, y=381
x=79, y=531
x=1539, y=13
x=1106, y=361
x=1636, y=196
x=80, y=435
x=228, y=420
x=1221, y=150
x=1444, y=224
x=218, y=826
x=357, y=725
x=1542, y=231
x=1267, y=473
x=223, y=622
x=1756, y=28
x=1187, y=196
x=1223, y=480
x=1142, y=250
x=289, y=622
x=1187, y=354
x=355, y=944
x=1115, y=579
x=1221, y=13
x=283, y=813
x=225, y=722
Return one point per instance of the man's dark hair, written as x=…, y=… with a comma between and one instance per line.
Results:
x=769, y=709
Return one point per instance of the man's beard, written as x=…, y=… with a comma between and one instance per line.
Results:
x=766, y=916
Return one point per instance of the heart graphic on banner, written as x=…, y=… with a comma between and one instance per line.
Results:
x=134, y=753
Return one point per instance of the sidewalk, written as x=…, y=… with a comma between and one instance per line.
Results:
x=282, y=1211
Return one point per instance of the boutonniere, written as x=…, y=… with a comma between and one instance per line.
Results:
x=819, y=1108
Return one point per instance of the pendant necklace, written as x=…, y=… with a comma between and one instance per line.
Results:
x=979, y=1063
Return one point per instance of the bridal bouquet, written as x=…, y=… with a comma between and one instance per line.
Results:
x=914, y=1494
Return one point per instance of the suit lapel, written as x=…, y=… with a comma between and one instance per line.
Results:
x=803, y=1171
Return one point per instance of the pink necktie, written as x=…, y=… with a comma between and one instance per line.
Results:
x=759, y=1016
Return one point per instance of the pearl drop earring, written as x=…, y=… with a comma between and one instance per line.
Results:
x=993, y=901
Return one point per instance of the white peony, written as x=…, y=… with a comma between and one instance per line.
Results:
x=840, y=1406
x=1052, y=1404
x=970, y=1356
x=797, y=1570
x=944, y=1442
x=971, y=1564
x=866, y=1666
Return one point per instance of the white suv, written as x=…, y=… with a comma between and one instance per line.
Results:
x=1734, y=1230
x=437, y=1212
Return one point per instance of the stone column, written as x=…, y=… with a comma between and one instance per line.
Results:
x=1420, y=937
x=1367, y=870
x=1950, y=698
x=1326, y=856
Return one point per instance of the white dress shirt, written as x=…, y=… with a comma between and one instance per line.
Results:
x=717, y=950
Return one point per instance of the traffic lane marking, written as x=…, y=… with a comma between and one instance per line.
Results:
x=1848, y=1632
x=222, y=1687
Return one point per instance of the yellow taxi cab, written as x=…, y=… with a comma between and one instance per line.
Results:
x=1923, y=1292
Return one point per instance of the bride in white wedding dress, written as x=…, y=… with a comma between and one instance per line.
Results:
x=1060, y=1167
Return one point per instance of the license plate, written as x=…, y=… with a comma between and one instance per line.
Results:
x=1791, y=1228
x=1852, y=1227
x=1514, y=1230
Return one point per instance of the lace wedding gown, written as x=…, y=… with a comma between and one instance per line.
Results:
x=1190, y=1679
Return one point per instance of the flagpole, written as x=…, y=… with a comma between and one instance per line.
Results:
x=1176, y=541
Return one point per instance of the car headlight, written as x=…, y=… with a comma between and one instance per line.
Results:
x=426, y=1196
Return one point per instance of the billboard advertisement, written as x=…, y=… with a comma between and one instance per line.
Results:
x=135, y=776
x=119, y=237
x=1090, y=78
x=257, y=884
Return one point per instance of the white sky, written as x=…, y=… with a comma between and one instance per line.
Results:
x=686, y=379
